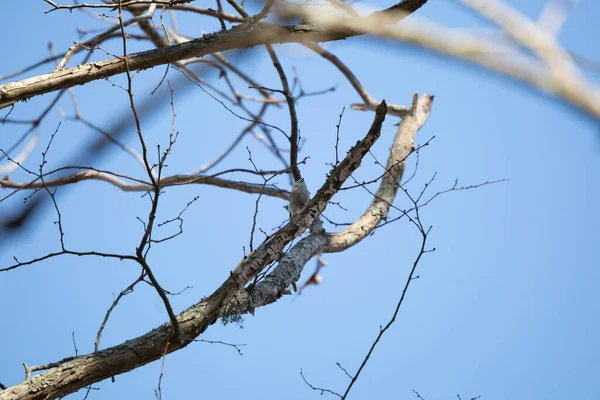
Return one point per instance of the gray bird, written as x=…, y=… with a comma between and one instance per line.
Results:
x=299, y=197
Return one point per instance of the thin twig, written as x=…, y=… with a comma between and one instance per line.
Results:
x=319, y=389
x=122, y=294
x=293, y=137
x=146, y=237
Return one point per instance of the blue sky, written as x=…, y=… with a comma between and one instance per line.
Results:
x=506, y=307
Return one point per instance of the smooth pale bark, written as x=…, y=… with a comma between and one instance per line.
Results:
x=175, y=180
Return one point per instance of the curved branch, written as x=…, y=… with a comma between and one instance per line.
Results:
x=369, y=102
x=93, y=42
x=293, y=137
x=289, y=268
x=69, y=375
x=378, y=210
x=561, y=78
x=175, y=180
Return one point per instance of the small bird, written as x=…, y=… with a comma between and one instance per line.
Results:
x=299, y=197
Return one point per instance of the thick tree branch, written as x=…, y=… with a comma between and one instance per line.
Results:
x=552, y=72
x=72, y=374
x=289, y=268
x=239, y=37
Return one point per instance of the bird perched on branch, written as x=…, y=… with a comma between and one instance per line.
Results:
x=299, y=197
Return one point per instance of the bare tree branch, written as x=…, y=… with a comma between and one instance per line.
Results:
x=93, y=42
x=239, y=37
x=70, y=375
x=401, y=148
x=369, y=102
x=175, y=180
x=555, y=73
x=293, y=138
x=274, y=285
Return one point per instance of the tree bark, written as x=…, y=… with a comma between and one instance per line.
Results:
x=239, y=37
x=71, y=374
